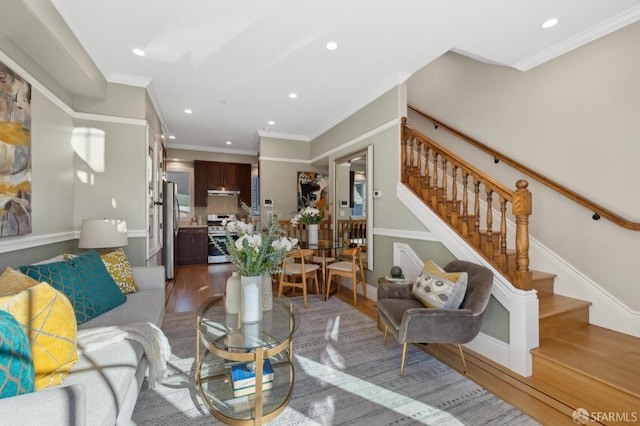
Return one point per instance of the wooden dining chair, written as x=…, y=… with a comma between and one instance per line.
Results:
x=298, y=269
x=351, y=268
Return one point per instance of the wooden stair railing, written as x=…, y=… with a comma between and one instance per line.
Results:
x=428, y=169
x=598, y=210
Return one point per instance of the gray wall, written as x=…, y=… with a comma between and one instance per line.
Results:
x=575, y=119
x=65, y=189
x=280, y=162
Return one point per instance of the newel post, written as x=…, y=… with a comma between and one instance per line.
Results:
x=521, y=209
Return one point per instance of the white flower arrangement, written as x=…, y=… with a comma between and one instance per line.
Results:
x=256, y=253
x=308, y=215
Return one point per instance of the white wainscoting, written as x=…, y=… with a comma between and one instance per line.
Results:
x=521, y=305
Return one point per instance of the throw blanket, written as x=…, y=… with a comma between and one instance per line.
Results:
x=154, y=342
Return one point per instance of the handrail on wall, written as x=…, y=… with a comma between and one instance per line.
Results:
x=598, y=210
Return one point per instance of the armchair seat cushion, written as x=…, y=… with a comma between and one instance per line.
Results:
x=393, y=310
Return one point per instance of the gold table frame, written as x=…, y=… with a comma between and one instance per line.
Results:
x=256, y=352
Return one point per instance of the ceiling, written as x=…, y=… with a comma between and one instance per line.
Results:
x=234, y=63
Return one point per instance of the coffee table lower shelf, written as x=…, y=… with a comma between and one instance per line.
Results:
x=216, y=389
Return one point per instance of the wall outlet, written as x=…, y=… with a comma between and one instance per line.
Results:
x=377, y=193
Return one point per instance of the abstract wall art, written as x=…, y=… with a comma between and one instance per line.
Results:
x=15, y=153
x=312, y=188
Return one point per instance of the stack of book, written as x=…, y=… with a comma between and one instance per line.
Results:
x=244, y=378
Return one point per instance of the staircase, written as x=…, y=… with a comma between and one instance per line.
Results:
x=577, y=364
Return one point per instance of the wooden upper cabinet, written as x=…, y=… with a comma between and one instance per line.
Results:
x=201, y=182
x=244, y=178
x=224, y=176
x=218, y=175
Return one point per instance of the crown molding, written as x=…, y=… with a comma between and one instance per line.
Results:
x=609, y=26
x=212, y=149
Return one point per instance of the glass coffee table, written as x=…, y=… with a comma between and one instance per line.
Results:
x=230, y=343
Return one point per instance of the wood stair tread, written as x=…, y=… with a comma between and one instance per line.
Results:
x=539, y=275
x=601, y=354
x=554, y=304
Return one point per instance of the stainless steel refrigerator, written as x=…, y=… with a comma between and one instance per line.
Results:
x=171, y=211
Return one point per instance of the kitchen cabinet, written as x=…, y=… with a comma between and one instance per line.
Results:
x=200, y=183
x=218, y=175
x=224, y=176
x=192, y=246
x=244, y=180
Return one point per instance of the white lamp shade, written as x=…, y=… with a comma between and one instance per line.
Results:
x=103, y=233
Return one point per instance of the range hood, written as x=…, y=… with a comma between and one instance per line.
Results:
x=222, y=192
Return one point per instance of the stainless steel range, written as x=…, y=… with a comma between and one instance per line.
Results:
x=218, y=233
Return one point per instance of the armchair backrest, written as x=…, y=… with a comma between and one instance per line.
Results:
x=479, y=285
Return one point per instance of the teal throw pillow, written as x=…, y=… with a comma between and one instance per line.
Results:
x=84, y=280
x=16, y=363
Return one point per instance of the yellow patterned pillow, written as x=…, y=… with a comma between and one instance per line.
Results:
x=118, y=266
x=50, y=323
x=12, y=282
x=432, y=268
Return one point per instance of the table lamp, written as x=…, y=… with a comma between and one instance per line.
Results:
x=103, y=234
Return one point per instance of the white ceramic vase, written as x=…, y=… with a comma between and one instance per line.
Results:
x=251, y=296
x=312, y=229
x=232, y=294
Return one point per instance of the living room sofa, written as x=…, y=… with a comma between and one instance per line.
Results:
x=103, y=385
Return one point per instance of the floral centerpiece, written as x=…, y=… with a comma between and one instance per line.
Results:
x=256, y=255
x=312, y=213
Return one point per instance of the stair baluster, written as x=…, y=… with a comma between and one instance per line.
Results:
x=427, y=168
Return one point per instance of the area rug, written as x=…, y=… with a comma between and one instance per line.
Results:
x=344, y=376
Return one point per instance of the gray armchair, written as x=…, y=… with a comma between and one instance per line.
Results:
x=411, y=322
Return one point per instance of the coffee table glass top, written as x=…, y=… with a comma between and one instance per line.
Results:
x=227, y=332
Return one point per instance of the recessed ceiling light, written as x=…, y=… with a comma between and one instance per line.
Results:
x=293, y=95
x=271, y=123
x=138, y=52
x=171, y=137
x=549, y=23
x=188, y=111
x=332, y=45
x=228, y=142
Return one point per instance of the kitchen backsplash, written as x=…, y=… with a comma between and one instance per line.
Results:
x=220, y=204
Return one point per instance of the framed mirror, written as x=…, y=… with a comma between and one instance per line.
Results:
x=353, y=206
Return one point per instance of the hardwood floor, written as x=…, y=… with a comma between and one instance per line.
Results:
x=196, y=283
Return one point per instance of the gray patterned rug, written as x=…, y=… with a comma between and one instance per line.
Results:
x=344, y=376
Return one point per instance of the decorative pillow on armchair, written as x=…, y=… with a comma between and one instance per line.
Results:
x=432, y=268
x=438, y=292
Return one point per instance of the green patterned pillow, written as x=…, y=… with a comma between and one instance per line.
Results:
x=16, y=365
x=438, y=292
x=84, y=280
